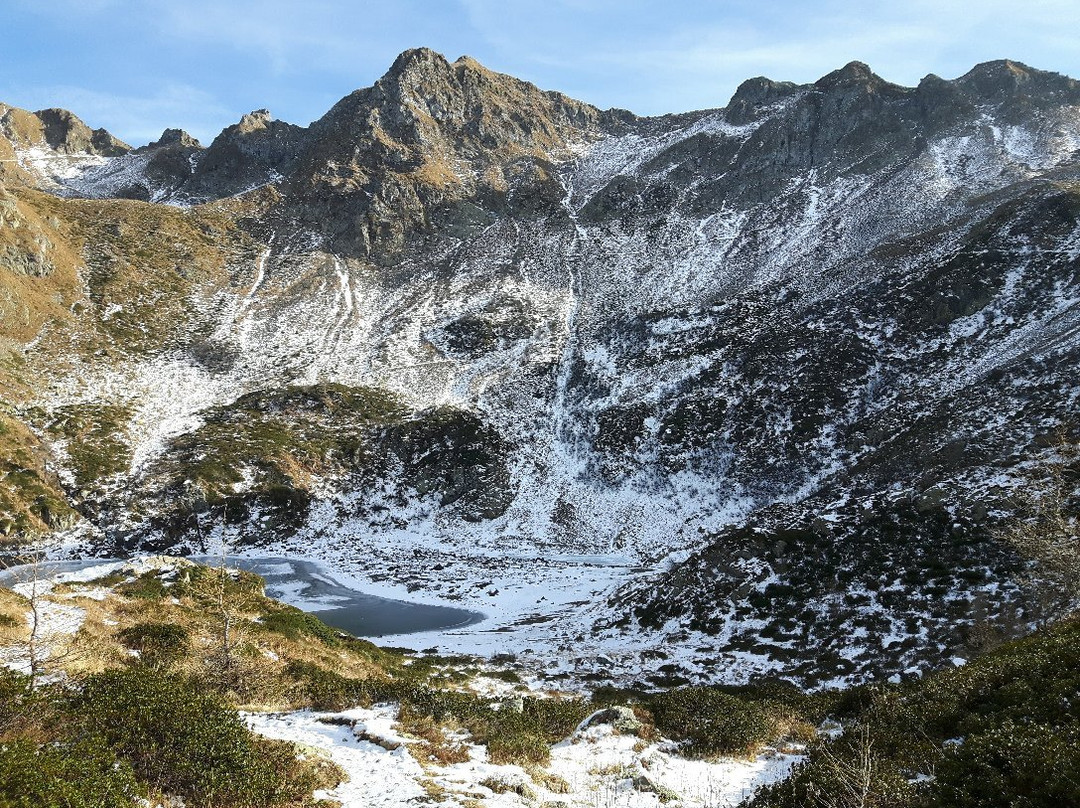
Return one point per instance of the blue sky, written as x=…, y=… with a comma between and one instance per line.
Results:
x=138, y=66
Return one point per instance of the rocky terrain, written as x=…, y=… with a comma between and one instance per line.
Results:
x=781, y=368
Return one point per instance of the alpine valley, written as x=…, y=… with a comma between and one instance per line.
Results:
x=743, y=391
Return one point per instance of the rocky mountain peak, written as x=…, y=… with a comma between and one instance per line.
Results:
x=426, y=116
x=416, y=61
x=853, y=75
x=254, y=121
x=1000, y=79
x=57, y=129
x=1002, y=72
x=430, y=133
x=753, y=94
x=64, y=131
x=175, y=137
x=245, y=155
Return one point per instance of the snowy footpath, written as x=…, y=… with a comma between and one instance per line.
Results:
x=596, y=767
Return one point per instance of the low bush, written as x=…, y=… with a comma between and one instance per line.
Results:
x=517, y=747
x=160, y=645
x=148, y=586
x=179, y=739
x=525, y=736
x=1003, y=730
x=1034, y=766
x=842, y=774
x=23, y=712
x=711, y=722
x=328, y=690
x=83, y=774
x=293, y=624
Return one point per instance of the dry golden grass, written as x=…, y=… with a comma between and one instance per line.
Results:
x=25, y=127
x=437, y=173
x=549, y=780
x=258, y=657
x=434, y=747
x=25, y=484
x=146, y=258
x=28, y=302
x=13, y=625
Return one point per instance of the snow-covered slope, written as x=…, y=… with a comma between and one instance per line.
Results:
x=805, y=342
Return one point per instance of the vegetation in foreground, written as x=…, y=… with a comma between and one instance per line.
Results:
x=136, y=732
x=155, y=713
x=1000, y=731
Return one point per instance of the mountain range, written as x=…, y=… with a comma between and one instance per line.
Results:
x=785, y=366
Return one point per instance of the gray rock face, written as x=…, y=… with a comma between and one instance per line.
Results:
x=174, y=137
x=621, y=718
x=253, y=152
x=65, y=132
x=34, y=263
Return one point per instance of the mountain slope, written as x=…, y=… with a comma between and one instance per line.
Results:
x=786, y=357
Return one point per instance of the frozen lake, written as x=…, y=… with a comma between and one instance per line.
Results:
x=308, y=586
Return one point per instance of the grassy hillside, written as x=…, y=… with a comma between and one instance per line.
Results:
x=166, y=652
x=31, y=499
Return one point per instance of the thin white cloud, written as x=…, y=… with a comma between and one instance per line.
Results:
x=288, y=35
x=278, y=30
x=676, y=56
x=292, y=36
x=647, y=56
x=69, y=8
x=135, y=119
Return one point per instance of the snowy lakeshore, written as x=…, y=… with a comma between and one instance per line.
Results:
x=381, y=764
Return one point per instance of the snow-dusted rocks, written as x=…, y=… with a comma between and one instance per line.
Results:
x=761, y=378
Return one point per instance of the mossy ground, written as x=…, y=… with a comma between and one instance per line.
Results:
x=140, y=264
x=96, y=439
x=270, y=443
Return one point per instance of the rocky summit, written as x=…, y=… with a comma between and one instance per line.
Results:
x=750, y=390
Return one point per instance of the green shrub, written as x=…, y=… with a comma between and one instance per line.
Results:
x=517, y=747
x=14, y=686
x=1016, y=708
x=442, y=705
x=711, y=722
x=521, y=737
x=1032, y=766
x=554, y=719
x=148, y=586
x=160, y=645
x=205, y=584
x=328, y=690
x=510, y=677
x=85, y=774
x=293, y=623
x=20, y=708
x=180, y=739
x=838, y=776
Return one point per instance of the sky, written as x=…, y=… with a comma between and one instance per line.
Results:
x=136, y=67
